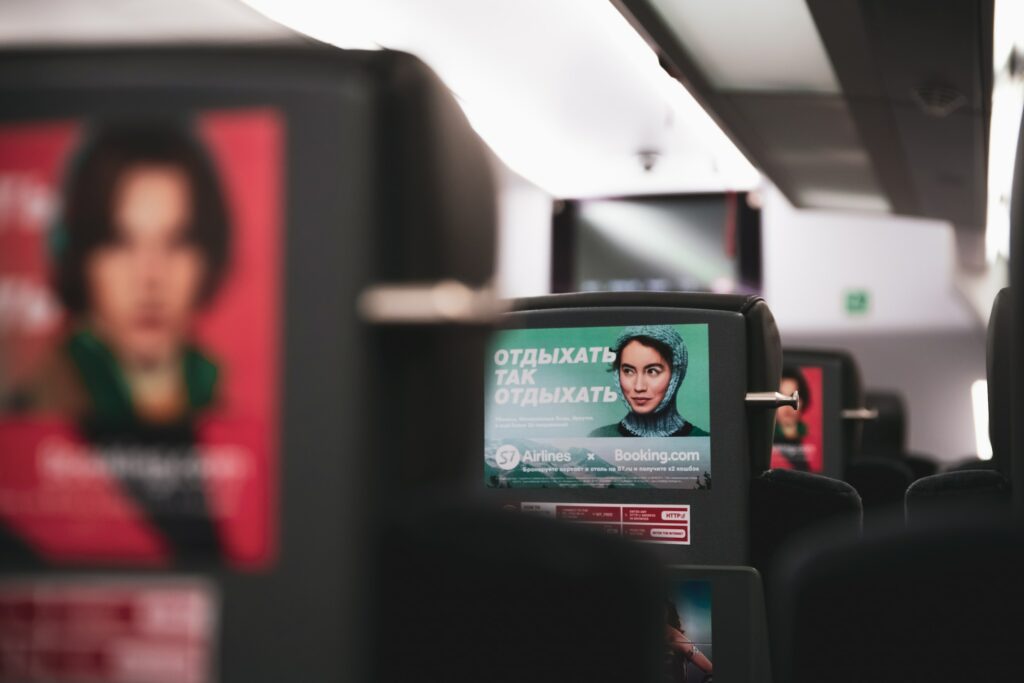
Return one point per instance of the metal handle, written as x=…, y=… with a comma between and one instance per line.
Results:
x=772, y=399
x=432, y=303
x=863, y=414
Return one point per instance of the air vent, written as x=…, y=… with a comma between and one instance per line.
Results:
x=938, y=100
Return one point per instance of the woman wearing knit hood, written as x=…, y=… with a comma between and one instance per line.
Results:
x=650, y=361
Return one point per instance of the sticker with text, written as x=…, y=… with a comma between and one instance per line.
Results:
x=668, y=524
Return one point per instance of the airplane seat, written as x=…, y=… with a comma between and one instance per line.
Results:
x=554, y=357
x=854, y=417
x=850, y=609
x=998, y=365
x=881, y=482
x=976, y=487
x=934, y=604
x=486, y=595
x=971, y=462
x=920, y=464
x=817, y=437
x=447, y=568
x=958, y=494
x=885, y=435
x=354, y=307
x=748, y=510
x=733, y=349
x=787, y=503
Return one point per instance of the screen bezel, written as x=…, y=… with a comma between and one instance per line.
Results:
x=739, y=631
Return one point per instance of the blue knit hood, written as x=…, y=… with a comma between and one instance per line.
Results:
x=665, y=418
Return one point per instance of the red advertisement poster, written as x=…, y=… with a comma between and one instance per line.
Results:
x=140, y=319
x=107, y=631
x=798, y=431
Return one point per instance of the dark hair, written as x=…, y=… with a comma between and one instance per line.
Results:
x=661, y=347
x=672, y=615
x=111, y=149
x=793, y=372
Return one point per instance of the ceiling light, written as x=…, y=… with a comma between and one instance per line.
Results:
x=753, y=45
x=566, y=93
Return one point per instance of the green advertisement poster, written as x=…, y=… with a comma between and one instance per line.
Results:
x=598, y=407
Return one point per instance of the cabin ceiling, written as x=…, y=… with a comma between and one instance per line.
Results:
x=901, y=125
x=867, y=105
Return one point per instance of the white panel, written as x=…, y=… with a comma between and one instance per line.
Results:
x=812, y=258
x=932, y=369
x=753, y=44
x=78, y=22
x=524, y=237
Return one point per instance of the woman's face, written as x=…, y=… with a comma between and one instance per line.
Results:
x=644, y=376
x=786, y=416
x=144, y=284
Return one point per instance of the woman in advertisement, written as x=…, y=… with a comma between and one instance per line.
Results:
x=141, y=245
x=790, y=428
x=650, y=362
x=680, y=650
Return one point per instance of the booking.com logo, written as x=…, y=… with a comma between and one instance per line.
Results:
x=507, y=457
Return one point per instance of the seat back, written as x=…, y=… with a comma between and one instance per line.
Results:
x=884, y=608
x=886, y=434
x=350, y=184
x=998, y=362
x=1016, y=325
x=818, y=439
x=559, y=418
x=787, y=503
x=483, y=595
x=957, y=495
x=979, y=488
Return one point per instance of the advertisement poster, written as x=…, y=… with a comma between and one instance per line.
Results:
x=798, y=431
x=598, y=407
x=108, y=631
x=688, y=654
x=140, y=319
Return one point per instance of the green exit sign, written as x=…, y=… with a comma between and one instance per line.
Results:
x=858, y=301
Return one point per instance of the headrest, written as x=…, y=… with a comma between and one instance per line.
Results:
x=784, y=503
x=920, y=464
x=885, y=435
x=435, y=221
x=999, y=349
x=881, y=482
x=763, y=345
x=439, y=205
x=956, y=494
x=443, y=610
x=971, y=463
x=853, y=398
x=850, y=610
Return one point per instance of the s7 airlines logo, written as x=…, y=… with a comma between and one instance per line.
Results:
x=507, y=457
